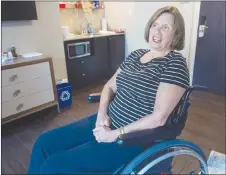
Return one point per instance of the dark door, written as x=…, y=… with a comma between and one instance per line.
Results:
x=209, y=68
x=116, y=46
x=101, y=57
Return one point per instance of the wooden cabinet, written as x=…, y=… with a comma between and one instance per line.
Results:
x=78, y=75
x=107, y=54
x=27, y=87
x=90, y=69
x=116, y=48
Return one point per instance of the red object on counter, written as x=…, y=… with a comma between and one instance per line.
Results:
x=78, y=5
x=62, y=5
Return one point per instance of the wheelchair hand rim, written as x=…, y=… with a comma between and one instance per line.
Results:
x=204, y=169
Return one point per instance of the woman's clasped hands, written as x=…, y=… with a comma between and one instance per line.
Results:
x=103, y=132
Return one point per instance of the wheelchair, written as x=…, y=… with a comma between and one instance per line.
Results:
x=162, y=149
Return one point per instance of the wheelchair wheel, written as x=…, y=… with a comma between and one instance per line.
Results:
x=169, y=157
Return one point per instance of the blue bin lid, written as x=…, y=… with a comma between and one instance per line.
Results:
x=63, y=85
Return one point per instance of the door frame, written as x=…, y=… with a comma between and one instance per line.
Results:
x=194, y=38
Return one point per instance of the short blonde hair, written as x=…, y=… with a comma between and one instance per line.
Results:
x=179, y=37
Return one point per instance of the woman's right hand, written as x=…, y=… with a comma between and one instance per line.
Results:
x=107, y=121
x=103, y=121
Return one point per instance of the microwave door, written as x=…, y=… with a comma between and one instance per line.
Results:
x=77, y=50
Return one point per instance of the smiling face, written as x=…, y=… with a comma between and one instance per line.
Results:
x=161, y=33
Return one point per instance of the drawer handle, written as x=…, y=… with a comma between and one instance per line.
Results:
x=12, y=78
x=83, y=74
x=16, y=93
x=19, y=107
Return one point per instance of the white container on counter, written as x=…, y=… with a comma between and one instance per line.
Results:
x=66, y=32
x=103, y=24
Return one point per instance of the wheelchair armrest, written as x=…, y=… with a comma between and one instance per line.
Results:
x=145, y=137
x=199, y=88
x=94, y=97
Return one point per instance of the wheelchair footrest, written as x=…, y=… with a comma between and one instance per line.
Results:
x=94, y=97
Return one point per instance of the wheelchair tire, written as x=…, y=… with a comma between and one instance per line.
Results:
x=192, y=150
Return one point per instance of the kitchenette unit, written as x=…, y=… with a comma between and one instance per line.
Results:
x=93, y=50
x=94, y=58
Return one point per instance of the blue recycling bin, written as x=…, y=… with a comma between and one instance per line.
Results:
x=64, y=92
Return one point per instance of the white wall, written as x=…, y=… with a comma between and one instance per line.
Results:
x=133, y=16
x=75, y=17
x=42, y=35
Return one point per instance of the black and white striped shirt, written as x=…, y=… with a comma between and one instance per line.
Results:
x=138, y=82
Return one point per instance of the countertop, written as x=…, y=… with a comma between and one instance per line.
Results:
x=22, y=60
x=74, y=37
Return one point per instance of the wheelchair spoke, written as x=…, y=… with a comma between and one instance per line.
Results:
x=183, y=167
x=187, y=167
x=175, y=162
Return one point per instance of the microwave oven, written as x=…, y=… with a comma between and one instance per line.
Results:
x=78, y=49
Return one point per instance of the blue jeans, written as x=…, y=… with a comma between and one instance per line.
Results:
x=72, y=149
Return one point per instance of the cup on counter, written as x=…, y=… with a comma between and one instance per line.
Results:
x=104, y=26
x=119, y=30
x=4, y=56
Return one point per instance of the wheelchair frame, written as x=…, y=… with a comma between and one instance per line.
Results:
x=166, y=137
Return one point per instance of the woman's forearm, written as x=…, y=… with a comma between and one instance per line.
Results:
x=107, y=95
x=105, y=99
x=147, y=122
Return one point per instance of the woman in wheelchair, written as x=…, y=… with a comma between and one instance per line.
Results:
x=141, y=95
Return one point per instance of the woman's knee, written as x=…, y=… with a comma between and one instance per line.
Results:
x=51, y=136
x=46, y=137
x=42, y=139
x=71, y=131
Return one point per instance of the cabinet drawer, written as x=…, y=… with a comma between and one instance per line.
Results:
x=27, y=102
x=19, y=90
x=20, y=74
x=40, y=98
x=39, y=84
x=14, y=91
x=11, y=76
x=14, y=106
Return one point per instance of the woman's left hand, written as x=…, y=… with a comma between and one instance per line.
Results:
x=105, y=134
